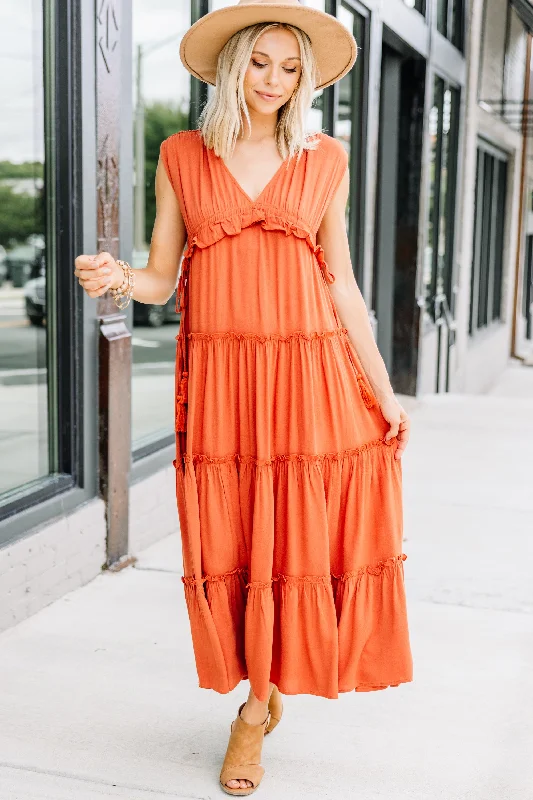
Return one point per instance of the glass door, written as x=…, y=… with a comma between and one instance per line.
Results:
x=438, y=262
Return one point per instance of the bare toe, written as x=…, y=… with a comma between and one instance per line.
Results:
x=239, y=784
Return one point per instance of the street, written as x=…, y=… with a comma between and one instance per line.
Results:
x=99, y=694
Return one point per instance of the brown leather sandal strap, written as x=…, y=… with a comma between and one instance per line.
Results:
x=243, y=754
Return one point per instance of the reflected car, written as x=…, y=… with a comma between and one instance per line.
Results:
x=3, y=267
x=21, y=261
x=151, y=315
x=35, y=294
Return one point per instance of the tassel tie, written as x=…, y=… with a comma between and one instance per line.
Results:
x=368, y=399
x=184, y=276
x=182, y=373
x=319, y=253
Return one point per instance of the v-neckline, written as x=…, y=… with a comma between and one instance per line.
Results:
x=263, y=190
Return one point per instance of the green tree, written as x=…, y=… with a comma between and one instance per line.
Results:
x=28, y=169
x=20, y=215
x=160, y=121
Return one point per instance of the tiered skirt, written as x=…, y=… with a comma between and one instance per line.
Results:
x=290, y=506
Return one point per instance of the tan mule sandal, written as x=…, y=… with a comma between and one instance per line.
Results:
x=243, y=756
x=275, y=706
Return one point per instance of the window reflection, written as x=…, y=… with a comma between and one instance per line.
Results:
x=443, y=132
x=429, y=275
x=348, y=127
x=161, y=88
x=23, y=331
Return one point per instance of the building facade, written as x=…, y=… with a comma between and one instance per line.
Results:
x=434, y=117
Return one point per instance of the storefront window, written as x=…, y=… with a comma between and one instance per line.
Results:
x=489, y=227
x=450, y=20
x=161, y=97
x=24, y=446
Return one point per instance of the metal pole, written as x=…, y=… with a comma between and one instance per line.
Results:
x=198, y=89
x=114, y=342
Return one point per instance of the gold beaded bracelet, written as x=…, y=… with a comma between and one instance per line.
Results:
x=124, y=293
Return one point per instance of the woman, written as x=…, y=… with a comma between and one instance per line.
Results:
x=288, y=433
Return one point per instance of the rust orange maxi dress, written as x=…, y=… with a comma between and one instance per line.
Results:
x=289, y=499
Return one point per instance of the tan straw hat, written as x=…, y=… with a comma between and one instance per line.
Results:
x=334, y=46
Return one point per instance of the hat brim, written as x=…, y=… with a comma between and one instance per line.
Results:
x=334, y=47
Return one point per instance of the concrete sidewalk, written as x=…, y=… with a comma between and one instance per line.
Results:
x=99, y=697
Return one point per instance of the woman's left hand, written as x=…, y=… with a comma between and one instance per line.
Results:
x=398, y=420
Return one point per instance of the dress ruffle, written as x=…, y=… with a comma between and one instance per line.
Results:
x=231, y=222
x=313, y=633
x=263, y=369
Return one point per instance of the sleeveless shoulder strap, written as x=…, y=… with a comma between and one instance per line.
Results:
x=327, y=165
x=182, y=156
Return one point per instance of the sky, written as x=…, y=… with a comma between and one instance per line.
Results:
x=21, y=83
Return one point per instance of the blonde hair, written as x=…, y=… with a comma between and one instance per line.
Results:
x=222, y=119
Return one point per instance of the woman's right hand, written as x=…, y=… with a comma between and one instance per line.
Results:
x=97, y=274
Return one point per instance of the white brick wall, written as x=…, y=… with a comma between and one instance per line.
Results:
x=492, y=68
x=516, y=60
x=70, y=551
x=493, y=49
x=50, y=562
x=153, y=509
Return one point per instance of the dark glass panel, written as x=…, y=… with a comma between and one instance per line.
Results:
x=161, y=98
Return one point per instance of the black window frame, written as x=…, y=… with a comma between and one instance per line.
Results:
x=486, y=286
x=450, y=21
